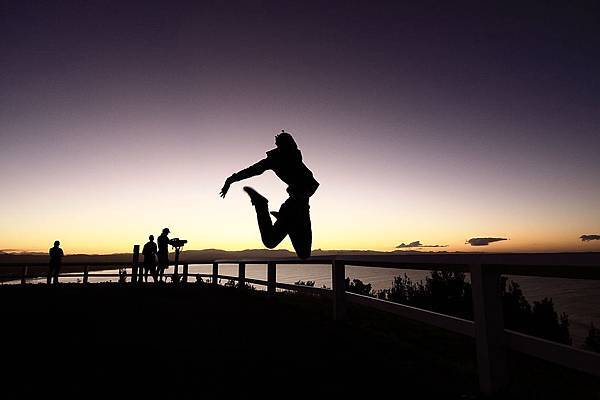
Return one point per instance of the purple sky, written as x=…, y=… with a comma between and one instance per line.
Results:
x=434, y=122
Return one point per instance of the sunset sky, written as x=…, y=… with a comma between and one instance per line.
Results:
x=437, y=123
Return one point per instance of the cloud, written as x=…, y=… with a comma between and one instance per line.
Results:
x=484, y=241
x=587, y=238
x=417, y=244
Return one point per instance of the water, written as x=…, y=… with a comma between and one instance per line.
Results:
x=579, y=299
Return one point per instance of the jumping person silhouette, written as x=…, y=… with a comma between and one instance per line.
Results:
x=293, y=217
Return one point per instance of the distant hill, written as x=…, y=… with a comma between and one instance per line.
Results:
x=8, y=258
x=264, y=253
x=205, y=254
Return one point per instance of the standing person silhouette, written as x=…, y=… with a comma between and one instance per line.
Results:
x=163, y=252
x=56, y=255
x=149, y=251
x=293, y=218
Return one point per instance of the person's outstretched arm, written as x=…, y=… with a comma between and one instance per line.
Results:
x=249, y=172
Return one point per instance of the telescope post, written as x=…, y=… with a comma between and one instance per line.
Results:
x=176, y=266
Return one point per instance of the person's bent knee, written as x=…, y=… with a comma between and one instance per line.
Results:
x=303, y=253
x=269, y=244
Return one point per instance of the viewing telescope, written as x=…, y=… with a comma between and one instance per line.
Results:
x=177, y=244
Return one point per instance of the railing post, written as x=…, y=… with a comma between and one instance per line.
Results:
x=85, y=274
x=338, y=279
x=242, y=275
x=489, y=329
x=215, y=274
x=271, y=279
x=24, y=274
x=135, y=261
x=185, y=272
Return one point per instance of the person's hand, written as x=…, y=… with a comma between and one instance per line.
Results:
x=225, y=188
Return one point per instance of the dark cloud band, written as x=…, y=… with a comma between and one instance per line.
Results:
x=484, y=241
x=587, y=238
x=417, y=244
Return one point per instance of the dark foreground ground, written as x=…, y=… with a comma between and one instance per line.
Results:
x=114, y=341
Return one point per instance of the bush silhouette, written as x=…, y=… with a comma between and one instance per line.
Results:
x=446, y=292
x=232, y=283
x=307, y=283
x=449, y=293
x=358, y=287
x=122, y=275
x=592, y=341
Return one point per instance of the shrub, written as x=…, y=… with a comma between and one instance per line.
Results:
x=449, y=293
x=546, y=323
x=233, y=284
x=443, y=291
x=592, y=341
x=358, y=287
x=122, y=275
x=230, y=283
x=307, y=283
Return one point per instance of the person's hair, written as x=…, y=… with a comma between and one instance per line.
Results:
x=57, y=243
x=285, y=141
x=151, y=237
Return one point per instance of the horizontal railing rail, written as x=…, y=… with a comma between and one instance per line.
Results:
x=558, y=265
x=491, y=338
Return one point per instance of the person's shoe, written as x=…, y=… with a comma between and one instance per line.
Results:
x=275, y=214
x=255, y=197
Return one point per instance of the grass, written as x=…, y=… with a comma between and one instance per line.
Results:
x=193, y=341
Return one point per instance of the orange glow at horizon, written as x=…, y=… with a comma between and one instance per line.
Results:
x=115, y=220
